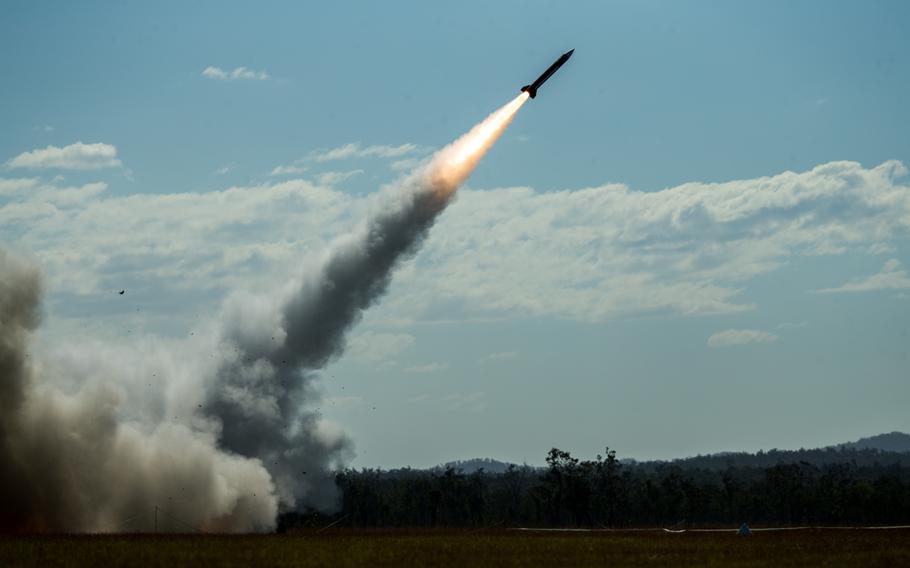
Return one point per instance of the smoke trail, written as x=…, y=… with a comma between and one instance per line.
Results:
x=258, y=394
x=217, y=432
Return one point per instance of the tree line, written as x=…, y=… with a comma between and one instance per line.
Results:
x=860, y=487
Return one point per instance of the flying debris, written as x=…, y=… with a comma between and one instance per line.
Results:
x=532, y=88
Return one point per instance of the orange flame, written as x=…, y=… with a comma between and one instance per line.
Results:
x=453, y=164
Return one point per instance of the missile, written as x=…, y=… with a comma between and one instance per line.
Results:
x=532, y=88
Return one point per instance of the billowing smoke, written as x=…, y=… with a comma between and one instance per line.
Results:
x=259, y=393
x=80, y=460
x=215, y=433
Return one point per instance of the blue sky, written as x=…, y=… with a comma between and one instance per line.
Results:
x=592, y=286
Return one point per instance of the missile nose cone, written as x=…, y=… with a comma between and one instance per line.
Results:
x=570, y=52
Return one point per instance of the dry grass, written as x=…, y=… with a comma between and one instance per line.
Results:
x=461, y=548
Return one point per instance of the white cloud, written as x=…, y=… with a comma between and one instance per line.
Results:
x=76, y=195
x=881, y=248
x=237, y=238
x=590, y=254
x=470, y=402
x=235, y=74
x=287, y=170
x=730, y=337
x=76, y=156
x=406, y=164
x=501, y=356
x=602, y=252
x=223, y=170
x=373, y=346
x=16, y=185
x=427, y=368
x=355, y=150
x=333, y=178
x=891, y=277
x=328, y=178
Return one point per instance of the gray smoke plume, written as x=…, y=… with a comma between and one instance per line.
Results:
x=259, y=394
x=218, y=432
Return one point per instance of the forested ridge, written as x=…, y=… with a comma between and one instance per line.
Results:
x=831, y=486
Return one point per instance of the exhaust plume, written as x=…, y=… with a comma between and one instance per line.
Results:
x=259, y=394
x=218, y=432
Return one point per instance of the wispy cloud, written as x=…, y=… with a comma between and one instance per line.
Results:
x=891, y=277
x=332, y=178
x=355, y=150
x=238, y=73
x=292, y=169
x=792, y=325
x=470, y=402
x=427, y=368
x=223, y=170
x=501, y=356
x=730, y=337
x=78, y=156
x=373, y=346
x=406, y=164
x=352, y=151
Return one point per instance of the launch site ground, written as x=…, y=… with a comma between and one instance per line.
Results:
x=500, y=547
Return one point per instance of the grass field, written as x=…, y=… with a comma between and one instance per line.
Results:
x=497, y=548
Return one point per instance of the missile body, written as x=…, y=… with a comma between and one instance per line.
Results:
x=532, y=88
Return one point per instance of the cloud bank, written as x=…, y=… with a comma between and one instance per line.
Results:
x=590, y=254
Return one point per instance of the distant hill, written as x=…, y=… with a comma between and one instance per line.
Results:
x=892, y=448
x=891, y=442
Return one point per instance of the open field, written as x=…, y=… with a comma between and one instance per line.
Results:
x=462, y=548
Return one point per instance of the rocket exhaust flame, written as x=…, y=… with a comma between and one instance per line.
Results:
x=101, y=456
x=454, y=163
